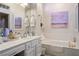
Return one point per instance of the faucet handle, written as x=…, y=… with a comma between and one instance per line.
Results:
x=74, y=39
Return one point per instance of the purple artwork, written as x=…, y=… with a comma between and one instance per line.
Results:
x=59, y=19
x=18, y=22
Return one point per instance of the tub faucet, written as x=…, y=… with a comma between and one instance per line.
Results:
x=74, y=39
x=72, y=43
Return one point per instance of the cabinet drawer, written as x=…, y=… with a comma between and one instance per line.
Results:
x=13, y=51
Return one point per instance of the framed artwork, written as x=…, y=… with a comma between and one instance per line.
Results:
x=59, y=19
x=18, y=22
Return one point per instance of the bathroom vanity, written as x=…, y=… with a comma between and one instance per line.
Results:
x=31, y=46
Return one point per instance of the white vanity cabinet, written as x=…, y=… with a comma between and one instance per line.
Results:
x=30, y=46
x=33, y=48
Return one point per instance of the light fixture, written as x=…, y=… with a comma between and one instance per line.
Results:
x=24, y=4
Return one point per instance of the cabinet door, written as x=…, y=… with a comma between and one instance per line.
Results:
x=28, y=48
x=38, y=51
x=28, y=45
x=32, y=52
x=38, y=48
x=27, y=53
x=33, y=43
x=33, y=48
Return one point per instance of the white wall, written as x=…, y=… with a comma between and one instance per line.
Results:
x=16, y=11
x=64, y=34
x=50, y=33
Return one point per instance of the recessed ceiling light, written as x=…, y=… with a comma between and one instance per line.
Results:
x=24, y=4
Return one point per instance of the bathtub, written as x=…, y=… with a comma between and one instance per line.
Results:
x=59, y=48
